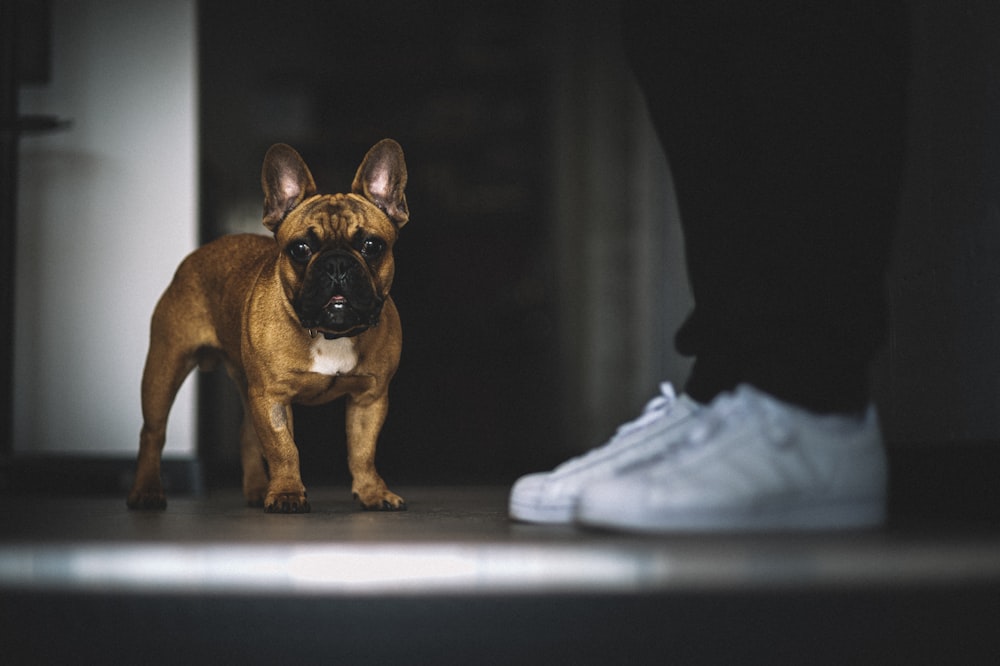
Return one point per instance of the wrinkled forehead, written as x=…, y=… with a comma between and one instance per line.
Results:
x=341, y=215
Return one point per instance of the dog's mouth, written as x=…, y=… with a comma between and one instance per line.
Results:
x=341, y=317
x=337, y=303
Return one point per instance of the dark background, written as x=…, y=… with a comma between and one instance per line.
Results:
x=462, y=86
x=523, y=299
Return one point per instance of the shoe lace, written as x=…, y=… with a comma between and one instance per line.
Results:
x=655, y=409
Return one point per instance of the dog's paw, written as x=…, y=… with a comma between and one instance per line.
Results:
x=384, y=500
x=286, y=503
x=146, y=501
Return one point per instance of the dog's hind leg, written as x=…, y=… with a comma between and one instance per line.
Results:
x=167, y=365
x=255, y=477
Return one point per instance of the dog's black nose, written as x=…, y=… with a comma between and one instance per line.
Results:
x=340, y=267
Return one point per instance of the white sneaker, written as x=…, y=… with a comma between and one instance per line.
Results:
x=551, y=497
x=751, y=463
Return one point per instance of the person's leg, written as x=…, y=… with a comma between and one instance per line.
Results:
x=786, y=180
x=784, y=127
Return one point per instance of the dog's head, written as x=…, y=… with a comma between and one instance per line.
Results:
x=336, y=260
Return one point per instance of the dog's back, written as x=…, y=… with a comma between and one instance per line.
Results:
x=209, y=288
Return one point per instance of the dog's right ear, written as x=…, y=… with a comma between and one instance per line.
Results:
x=286, y=181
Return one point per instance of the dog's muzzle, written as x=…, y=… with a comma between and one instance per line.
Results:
x=338, y=298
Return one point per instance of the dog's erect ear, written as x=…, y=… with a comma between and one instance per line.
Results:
x=286, y=181
x=381, y=179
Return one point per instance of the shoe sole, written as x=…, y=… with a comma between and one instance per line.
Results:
x=817, y=516
x=542, y=514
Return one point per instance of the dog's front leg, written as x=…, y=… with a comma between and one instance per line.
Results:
x=364, y=422
x=272, y=419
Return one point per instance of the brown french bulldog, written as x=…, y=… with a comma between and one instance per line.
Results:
x=303, y=317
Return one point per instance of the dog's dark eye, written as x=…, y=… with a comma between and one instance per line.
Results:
x=372, y=247
x=300, y=251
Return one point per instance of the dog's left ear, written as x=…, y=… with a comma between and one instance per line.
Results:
x=381, y=179
x=286, y=181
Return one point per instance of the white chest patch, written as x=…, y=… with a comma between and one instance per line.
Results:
x=333, y=357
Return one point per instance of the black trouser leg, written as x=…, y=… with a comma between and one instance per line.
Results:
x=784, y=127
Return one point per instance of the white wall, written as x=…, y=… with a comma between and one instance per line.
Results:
x=106, y=211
